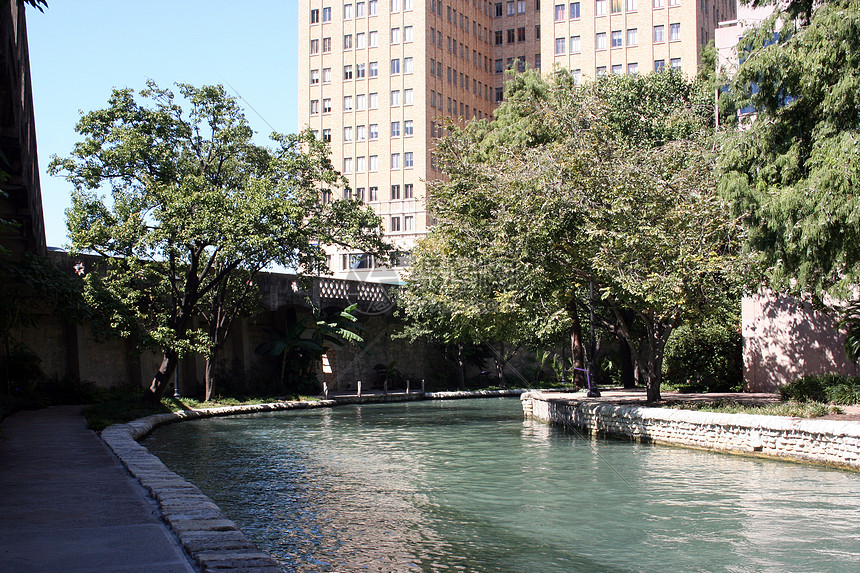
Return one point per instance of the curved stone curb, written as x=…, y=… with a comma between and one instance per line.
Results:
x=826, y=442
x=455, y=395
x=212, y=540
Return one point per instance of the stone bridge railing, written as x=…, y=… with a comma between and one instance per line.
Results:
x=277, y=290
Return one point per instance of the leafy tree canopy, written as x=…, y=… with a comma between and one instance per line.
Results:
x=794, y=171
x=178, y=199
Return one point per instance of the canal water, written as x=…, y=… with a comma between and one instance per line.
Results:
x=468, y=485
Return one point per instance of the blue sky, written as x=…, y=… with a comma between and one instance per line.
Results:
x=81, y=49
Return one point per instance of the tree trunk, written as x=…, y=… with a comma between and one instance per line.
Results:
x=209, y=379
x=461, y=367
x=500, y=361
x=161, y=380
x=577, y=354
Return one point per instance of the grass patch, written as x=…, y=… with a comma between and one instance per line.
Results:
x=791, y=409
x=122, y=406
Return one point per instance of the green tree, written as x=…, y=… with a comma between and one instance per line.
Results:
x=794, y=171
x=191, y=201
x=611, y=184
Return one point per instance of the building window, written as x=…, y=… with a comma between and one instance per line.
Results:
x=360, y=133
x=521, y=6
x=315, y=16
x=347, y=11
x=674, y=2
x=373, y=68
x=359, y=10
x=615, y=6
x=601, y=71
x=359, y=193
x=327, y=105
x=408, y=127
x=407, y=96
x=521, y=34
x=600, y=41
x=616, y=69
x=347, y=194
x=373, y=101
x=577, y=77
x=633, y=68
x=500, y=94
x=315, y=76
x=326, y=45
x=559, y=12
x=498, y=10
x=373, y=39
x=600, y=8
x=575, y=45
x=408, y=34
x=407, y=159
x=498, y=67
x=361, y=40
x=326, y=15
x=659, y=3
x=409, y=223
x=631, y=5
x=559, y=46
x=327, y=135
x=360, y=70
x=537, y=32
x=373, y=167
x=347, y=103
x=347, y=134
x=395, y=35
x=674, y=32
x=659, y=34
x=395, y=6
x=347, y=72
x=616, y=38
x=395, y=98
x=499, y=37
x=325, y=196
x=315, y=46
x=632, y=37
x=659, y=65
x=395, y=129
x=407, y=5
x=407, y=65
x=326, y=75
x=395, y=161
x=347, y=164
x=408, y=191
x=574, y=11
x=315, y=106
x=511, y=37
x=373, y=128
x=395, y=192
x=373, y=192
x=395, y=66
x=675, y=63
x=372, y=7
x=537, y=61
x=395, y=224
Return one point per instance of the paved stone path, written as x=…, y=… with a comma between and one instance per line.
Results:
x=67, y=504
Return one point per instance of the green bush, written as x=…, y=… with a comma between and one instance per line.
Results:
x=704, y=358
x=834, y=388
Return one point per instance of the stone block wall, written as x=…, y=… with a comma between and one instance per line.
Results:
x=827, y=442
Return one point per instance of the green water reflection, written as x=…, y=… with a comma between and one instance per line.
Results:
x=469, y=486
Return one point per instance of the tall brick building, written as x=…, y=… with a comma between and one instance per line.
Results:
x=378, y=77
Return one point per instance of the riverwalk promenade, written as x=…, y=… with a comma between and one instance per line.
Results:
x=68, y=505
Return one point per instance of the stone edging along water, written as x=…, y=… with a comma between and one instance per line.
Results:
x=827, y=442
x=213, y=540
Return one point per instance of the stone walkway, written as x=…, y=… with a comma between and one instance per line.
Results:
x=68, y=505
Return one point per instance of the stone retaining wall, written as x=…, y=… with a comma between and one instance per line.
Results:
x=827, y=442
x=212, y=540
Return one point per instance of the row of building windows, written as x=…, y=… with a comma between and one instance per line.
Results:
x=454, y=107
x=367, y=261
x=372, y=194
x=362, y=102
x=459, y=79
x=632, y=68
x=574, y=10
x=360, y=71
x=363, y=40
x=512, y=8
x=362, y=9
x=499, y=66
x=616, y=39
x=370, y=163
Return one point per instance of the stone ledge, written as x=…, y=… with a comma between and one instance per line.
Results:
x=214, y=542
x=825, y=442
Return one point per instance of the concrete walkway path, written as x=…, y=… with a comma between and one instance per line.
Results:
x=67, y=504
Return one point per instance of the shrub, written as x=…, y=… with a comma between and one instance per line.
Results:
x=835, y=388
x=704, y=358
